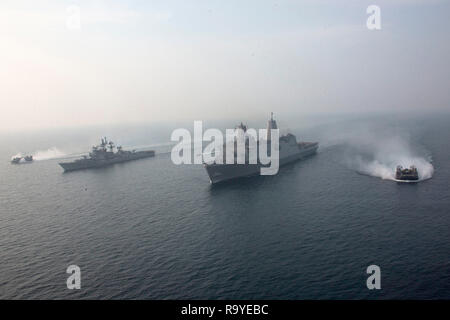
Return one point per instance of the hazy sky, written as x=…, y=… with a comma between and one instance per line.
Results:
x=138, y=61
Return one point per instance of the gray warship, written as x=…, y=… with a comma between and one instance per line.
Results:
x=104, y=155
x=289, y=151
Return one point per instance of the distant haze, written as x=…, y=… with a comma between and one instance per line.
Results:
x=159, y=61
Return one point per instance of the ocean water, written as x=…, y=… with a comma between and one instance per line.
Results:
x=149, y=229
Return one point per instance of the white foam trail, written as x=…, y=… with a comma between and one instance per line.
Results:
x=386, y=170
x=52, y=153
x=377, y=151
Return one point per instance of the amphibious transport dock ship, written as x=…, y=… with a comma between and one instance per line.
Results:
x=406, y=175
x=104, y=155
x=289, y=150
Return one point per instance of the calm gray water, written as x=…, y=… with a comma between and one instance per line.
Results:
x=152, y=230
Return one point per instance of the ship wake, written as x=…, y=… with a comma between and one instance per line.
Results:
x=385, y=168
x=51, y=153
x=377, y=151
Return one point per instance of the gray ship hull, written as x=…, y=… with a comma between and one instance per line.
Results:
x=99, y=163
x=224, y=172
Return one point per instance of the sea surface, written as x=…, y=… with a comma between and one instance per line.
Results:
x=149, y=229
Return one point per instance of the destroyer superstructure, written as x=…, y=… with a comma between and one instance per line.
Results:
x=104, y=155
x=289, y=150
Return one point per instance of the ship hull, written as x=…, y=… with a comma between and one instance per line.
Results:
x=91, y=164
x=225, y=172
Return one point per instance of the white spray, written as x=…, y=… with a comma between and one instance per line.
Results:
x=377, y=151
x=52, y=153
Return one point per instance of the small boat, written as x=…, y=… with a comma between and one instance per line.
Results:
x=28, y=158
x=16, y=160
x=406, y=175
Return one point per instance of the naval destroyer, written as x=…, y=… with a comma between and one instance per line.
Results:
x=104, y=155
x=289, y=151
